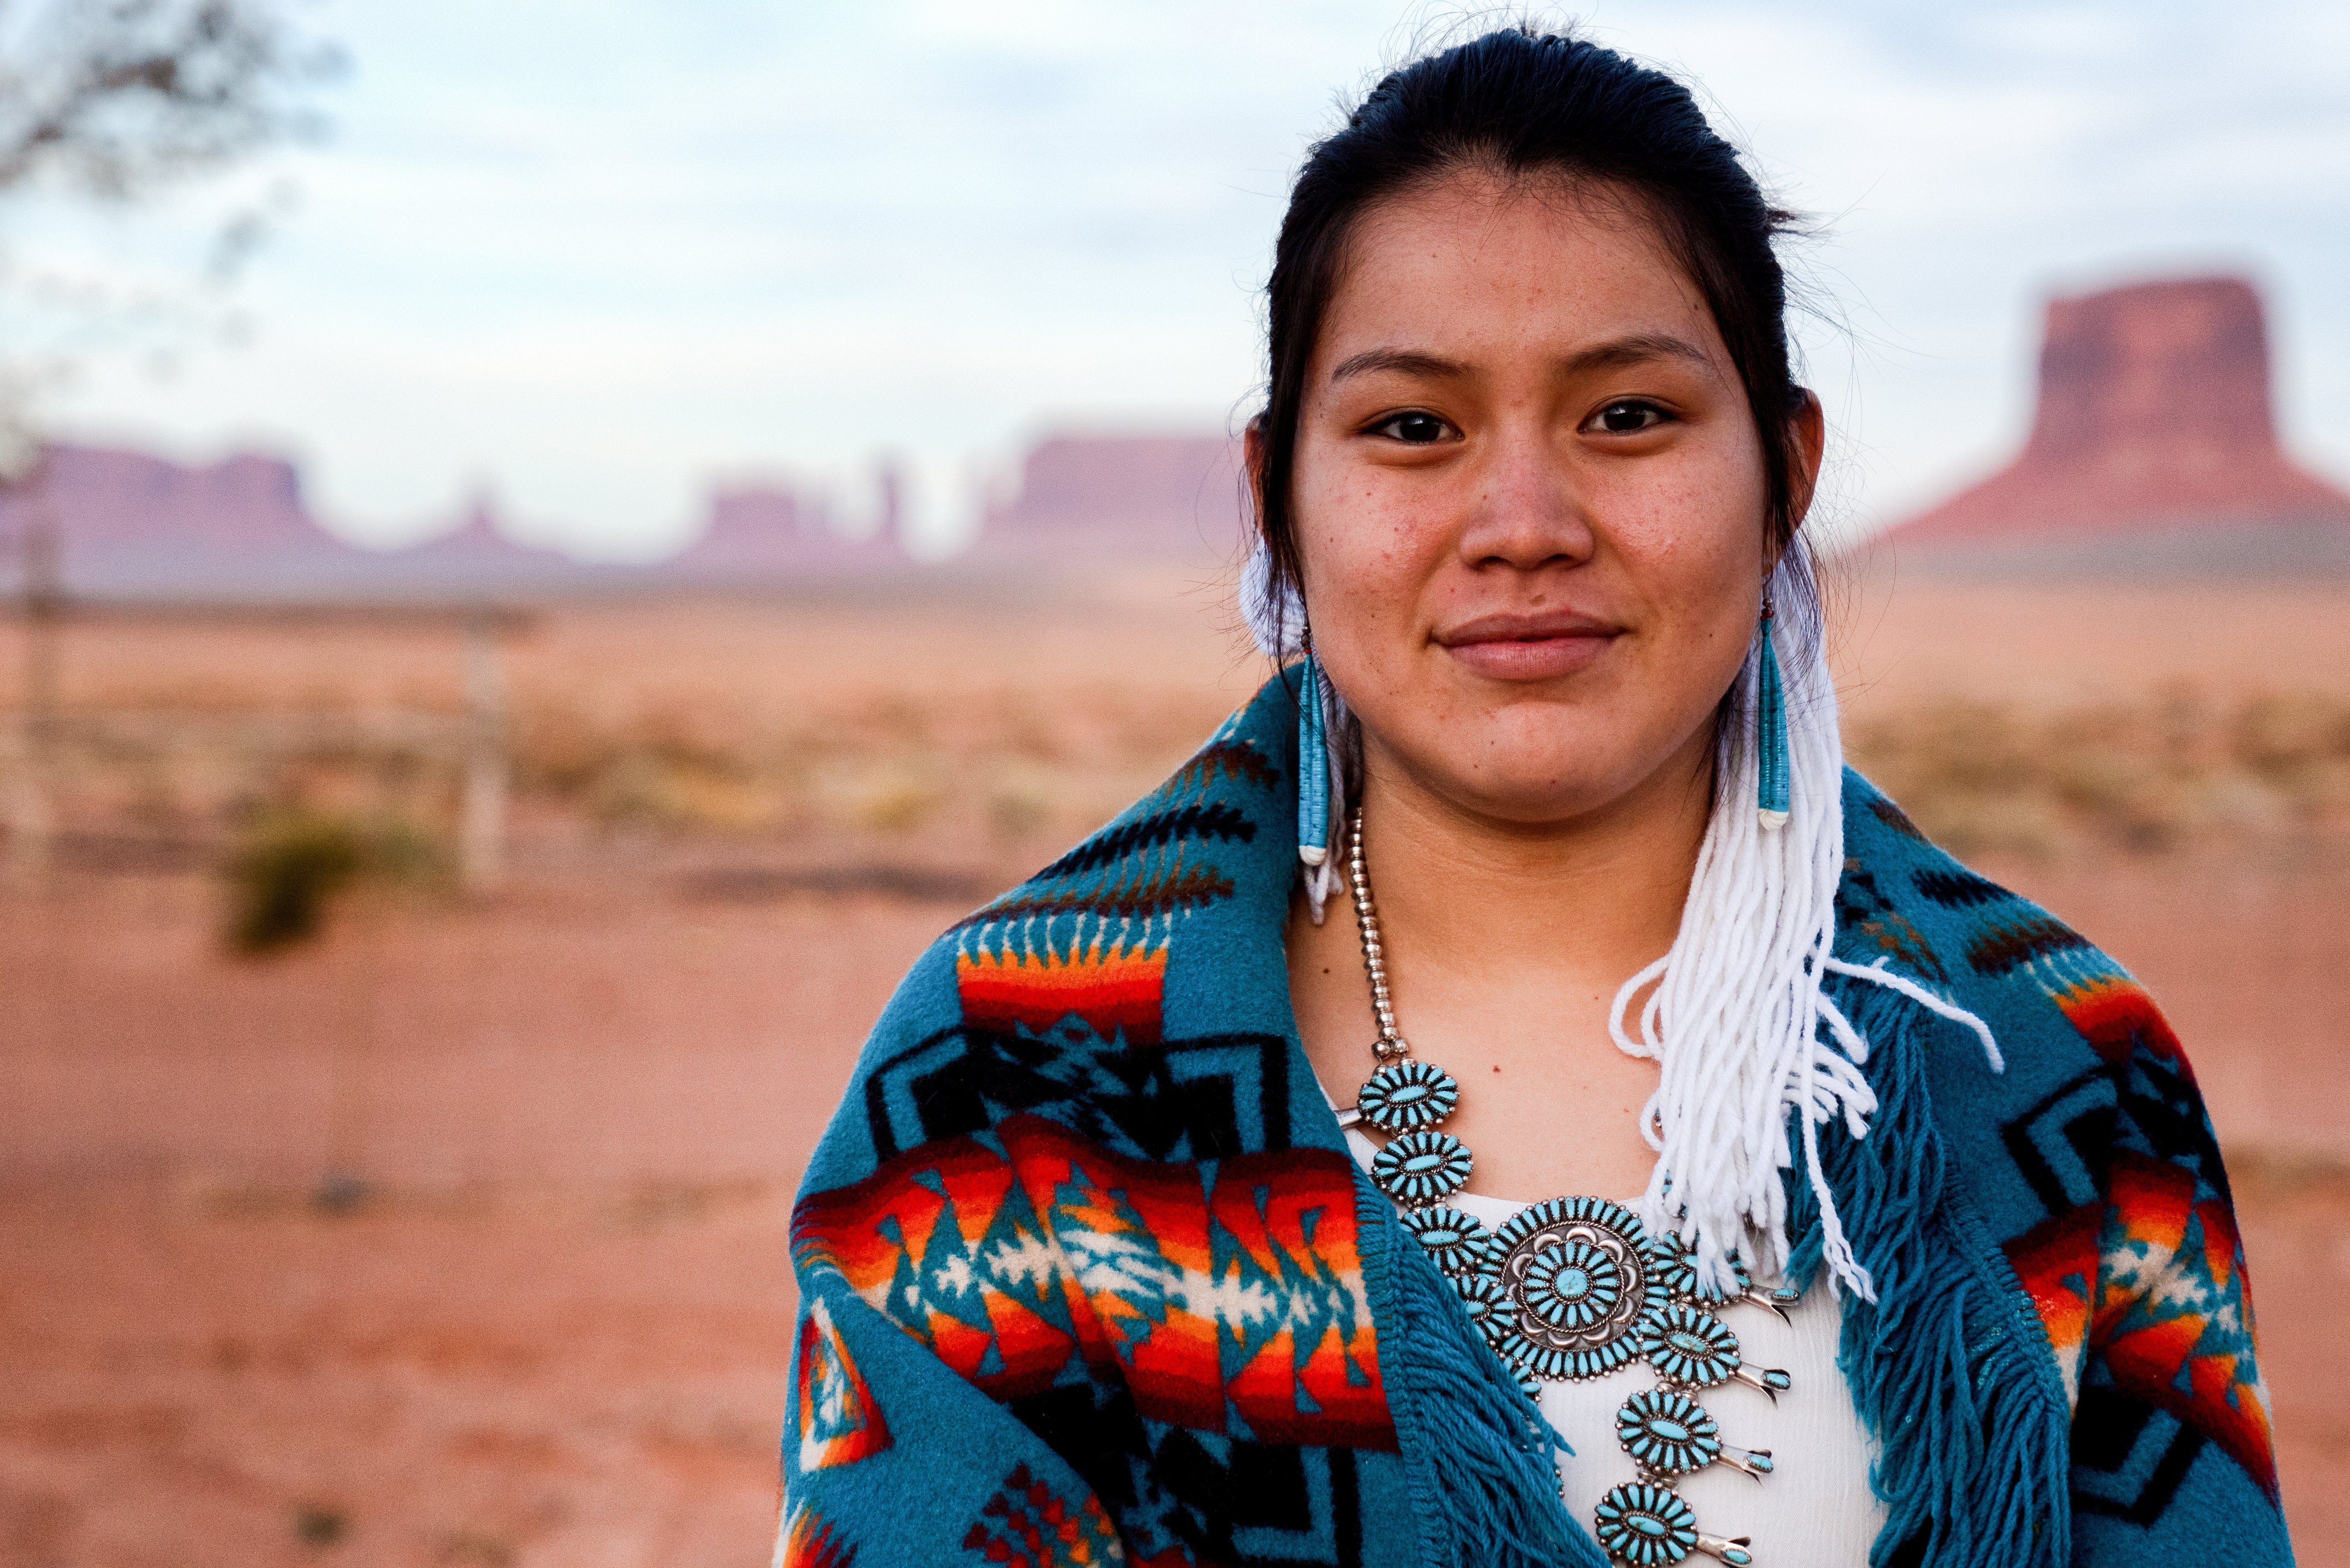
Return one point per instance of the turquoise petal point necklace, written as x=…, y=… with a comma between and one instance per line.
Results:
x=1567, y=1289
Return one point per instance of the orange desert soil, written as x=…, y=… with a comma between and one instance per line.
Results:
x=548, y=1321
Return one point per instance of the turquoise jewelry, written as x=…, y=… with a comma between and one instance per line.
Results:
x=1312, y=767
x=1771, y=772
x=1570, y=1288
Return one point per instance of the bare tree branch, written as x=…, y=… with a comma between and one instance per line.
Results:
x=111, y=97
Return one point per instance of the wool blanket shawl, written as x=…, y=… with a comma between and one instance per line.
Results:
x=1086, y=1274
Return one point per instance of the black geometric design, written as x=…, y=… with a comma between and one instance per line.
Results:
x=2001, y=949
x=1095, y=1427
x=2063, y=1143
x=1265, y=1505
x=1216, y=821
x=1959, y=889
x=1210, y=1098
x=1227, y=1500
x=1882, y=808
x=1238, y=760
x=2128, y=1458
x=2162, y=1113
x=1147, y=899
x=1861, y=906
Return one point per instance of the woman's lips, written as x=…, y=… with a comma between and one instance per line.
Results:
x=1528, y=647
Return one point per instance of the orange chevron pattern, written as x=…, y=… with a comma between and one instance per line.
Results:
x=1113, y=991
x=2115, y=1016
x=1025, y=1525
x=839, y=1421
x=807, y=1541
x=1227, y=1295
x=2057, y=1261
x=2173, y=1314
x=2151, y=1281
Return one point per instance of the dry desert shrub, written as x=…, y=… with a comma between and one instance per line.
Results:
x=950, y=753
x=289, y=867
x=1001, y=768
x=2176, y=770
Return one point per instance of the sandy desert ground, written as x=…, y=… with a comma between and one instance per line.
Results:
x=457, y=1236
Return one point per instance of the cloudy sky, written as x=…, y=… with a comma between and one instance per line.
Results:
x=592, y=254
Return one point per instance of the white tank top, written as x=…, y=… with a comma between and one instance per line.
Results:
x=1816, y=1510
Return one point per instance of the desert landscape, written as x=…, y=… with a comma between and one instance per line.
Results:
x=455, y=1233
x=544, y=557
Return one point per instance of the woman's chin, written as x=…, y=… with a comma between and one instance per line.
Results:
x=1541, y=765
x=1533, y=800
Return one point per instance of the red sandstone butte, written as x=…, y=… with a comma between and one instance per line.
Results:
x=2154, y=429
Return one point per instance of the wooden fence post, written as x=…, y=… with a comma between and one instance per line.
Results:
x=32, y=822
x=481, y=825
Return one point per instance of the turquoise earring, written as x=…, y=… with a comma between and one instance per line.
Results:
x=1771, y=770
x=1313, y=766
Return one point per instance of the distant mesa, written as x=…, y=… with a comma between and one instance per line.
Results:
x=129, y=524
x=126, y=522
x=2153, y=452
x=1141, y=497
x=113, y=500
x=477, y=551
x=775, y=530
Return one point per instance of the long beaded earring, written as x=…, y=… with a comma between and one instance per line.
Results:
x=1771, y=766
x=1312, y=765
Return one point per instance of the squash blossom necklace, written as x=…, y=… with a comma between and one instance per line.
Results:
x=1567, y=1290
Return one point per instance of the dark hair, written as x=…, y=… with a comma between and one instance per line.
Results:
x=1519, y=103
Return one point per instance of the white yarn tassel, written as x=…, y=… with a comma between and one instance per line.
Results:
x=1738, y=1023
x=1737, y=1019
x=1275, y=617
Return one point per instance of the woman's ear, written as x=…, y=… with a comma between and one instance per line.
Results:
x=1808, y=427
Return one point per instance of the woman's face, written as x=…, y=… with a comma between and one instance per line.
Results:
x=1529, y=499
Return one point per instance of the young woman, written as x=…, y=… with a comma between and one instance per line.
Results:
x=1513, y=1097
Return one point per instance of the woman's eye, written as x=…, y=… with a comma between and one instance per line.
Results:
x=1414, y=429
x=1628, y=416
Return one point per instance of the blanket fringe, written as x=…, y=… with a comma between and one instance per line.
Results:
x=1485, y=1481
x=1974, y=1465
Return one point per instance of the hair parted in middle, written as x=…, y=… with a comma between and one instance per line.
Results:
x=1525, y=104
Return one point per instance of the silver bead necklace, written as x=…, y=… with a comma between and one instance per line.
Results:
x=1567, y=1290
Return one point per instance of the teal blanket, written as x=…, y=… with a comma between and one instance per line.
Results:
x=1086, y=1275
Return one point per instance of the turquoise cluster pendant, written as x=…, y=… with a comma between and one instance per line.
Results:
x=1567, y=1290
x=1577, y=1288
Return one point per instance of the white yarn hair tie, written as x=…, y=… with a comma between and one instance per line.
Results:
x=1738, y=1023
x=1273, y=613
x=1275, y=617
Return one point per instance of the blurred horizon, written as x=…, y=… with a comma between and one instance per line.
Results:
x=595, y=261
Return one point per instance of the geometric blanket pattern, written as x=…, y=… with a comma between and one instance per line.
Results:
x=1227, y=1295
x=1088, y=1275
x=2135, y=1267
x=2143, y=1278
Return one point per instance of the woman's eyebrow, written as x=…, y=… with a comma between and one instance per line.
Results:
x=1636, y=349
x=1616, y=354
x=1408, y=361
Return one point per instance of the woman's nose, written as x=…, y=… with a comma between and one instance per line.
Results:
x=1525, y=509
